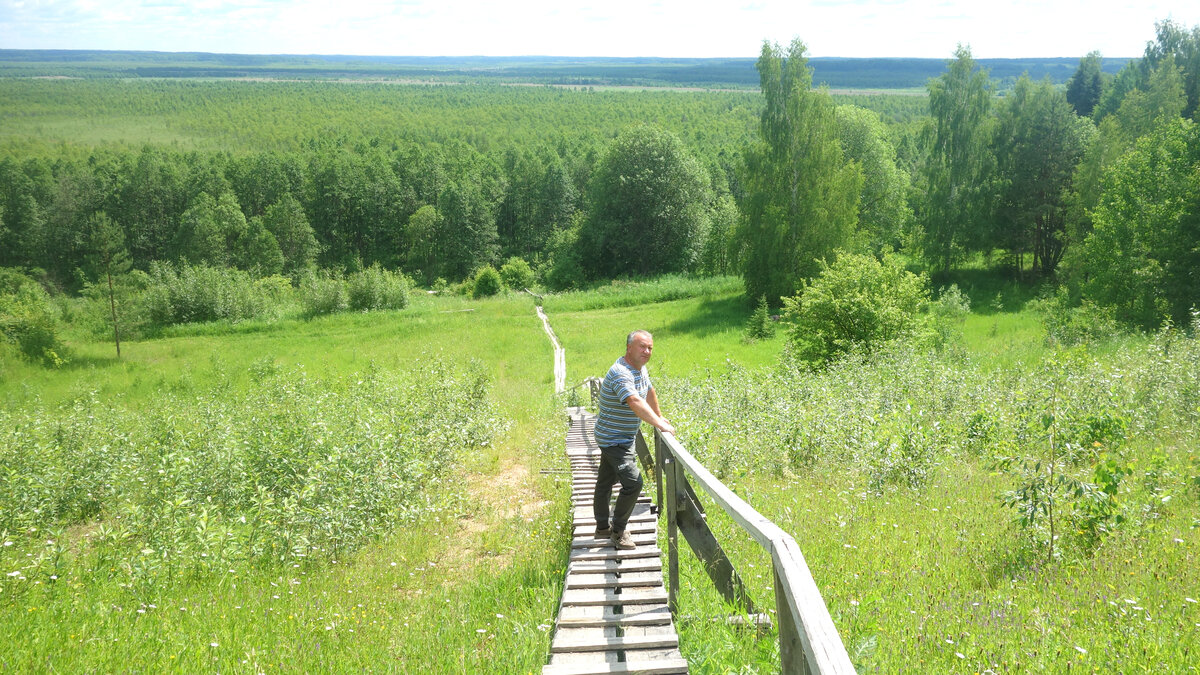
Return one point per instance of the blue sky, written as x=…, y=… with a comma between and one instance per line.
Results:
x=677, y=28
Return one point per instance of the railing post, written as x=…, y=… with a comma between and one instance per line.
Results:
x=791, y=652
x=670, y=467
x=659, y=446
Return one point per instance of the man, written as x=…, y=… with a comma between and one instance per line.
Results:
x=626, y=396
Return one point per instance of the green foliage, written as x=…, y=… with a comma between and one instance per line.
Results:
x=297, y=245
x=1085, y=86
x=719, y=255
x=760, y=326
x=1070, y=325
x=1140, y=257
x=290, y=471
x=195, y=293
x=946, y=316
x=323, y=293
x=1038, y=143
x=856, y=305
x=28, y=319
x=564, y=271
x=802, y=195
x=956, y=205
x=648, y=207
x=376, y=288
x=631, y=293
x=516, y=274
x=487, y=282
x=1053, y=495
x=883, y=210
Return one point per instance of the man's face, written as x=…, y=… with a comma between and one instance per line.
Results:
x=637, y=354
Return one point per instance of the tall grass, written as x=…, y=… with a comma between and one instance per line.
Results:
x=887, y=471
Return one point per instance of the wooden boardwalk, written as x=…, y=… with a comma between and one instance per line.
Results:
x=614, y=616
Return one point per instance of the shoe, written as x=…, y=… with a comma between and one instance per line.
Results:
x=603, y=532
x=623, y=541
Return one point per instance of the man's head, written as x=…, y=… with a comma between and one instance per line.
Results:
x=638, y=346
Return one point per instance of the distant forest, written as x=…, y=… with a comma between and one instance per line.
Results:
x=735, y=73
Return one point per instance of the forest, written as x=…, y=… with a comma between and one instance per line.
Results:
x=1086, y=187
x=275, y=398
x=738, y=73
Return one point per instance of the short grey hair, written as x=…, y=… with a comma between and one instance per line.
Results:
x=629, y=338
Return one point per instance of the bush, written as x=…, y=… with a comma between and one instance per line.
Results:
x=487, y=282
x=27, y=319
x=946, y=316
x=855, y=305
x=760, y=326
x=195, y=293
x=133, y=311
x=516, y=274
x=1067, y=325
x=289, y=470
x=322, y=294
x=377, y=288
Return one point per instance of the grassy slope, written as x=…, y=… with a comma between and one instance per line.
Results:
x=911, y=579
x=418, y=600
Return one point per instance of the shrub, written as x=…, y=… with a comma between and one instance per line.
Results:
x=321, y=294
x=27, y=319
x=487, y=282
x=856, y=304
x=760, y=326
x=288, y=471
x=1067, y=325
x=946, y=316
x=377, y=288
x=516, y=274
x=195, y=293
x=131, y=298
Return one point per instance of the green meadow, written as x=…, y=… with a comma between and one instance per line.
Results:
x=885, y=470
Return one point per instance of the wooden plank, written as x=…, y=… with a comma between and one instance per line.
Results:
x=644, y=613
x=639, y=519
x=610, y=553
x=639, y=538
x=612, y=616
x=625, y=579
x=822, y=645
x=657, y=617
x=698, y=535
x=612, y=566
x=643, y=667
x=628, y=596
x=760, y=529
x=616, y=643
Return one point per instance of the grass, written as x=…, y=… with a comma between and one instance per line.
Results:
x=934, y=578
x=423, y=598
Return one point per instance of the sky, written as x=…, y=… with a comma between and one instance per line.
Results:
x=666, y=28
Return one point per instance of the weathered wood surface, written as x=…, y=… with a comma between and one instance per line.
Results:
x=560, y=354
x=613, y=617
x=809, y=641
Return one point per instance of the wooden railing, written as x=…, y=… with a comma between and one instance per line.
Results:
x=808, y=640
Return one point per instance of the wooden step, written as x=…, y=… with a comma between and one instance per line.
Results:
x=664, y=667
x=616, y=643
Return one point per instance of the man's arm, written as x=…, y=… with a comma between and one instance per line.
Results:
x=649, y=413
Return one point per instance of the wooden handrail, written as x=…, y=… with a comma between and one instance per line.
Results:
x=808, y=640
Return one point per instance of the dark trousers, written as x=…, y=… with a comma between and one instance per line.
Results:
x=617, y=462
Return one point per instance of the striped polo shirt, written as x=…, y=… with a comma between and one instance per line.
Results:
x=616, y=424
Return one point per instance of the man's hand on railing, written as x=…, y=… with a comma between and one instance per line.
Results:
x=665, y=426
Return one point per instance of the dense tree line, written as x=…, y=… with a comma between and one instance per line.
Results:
x=439, y=182
x=1093, y=184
